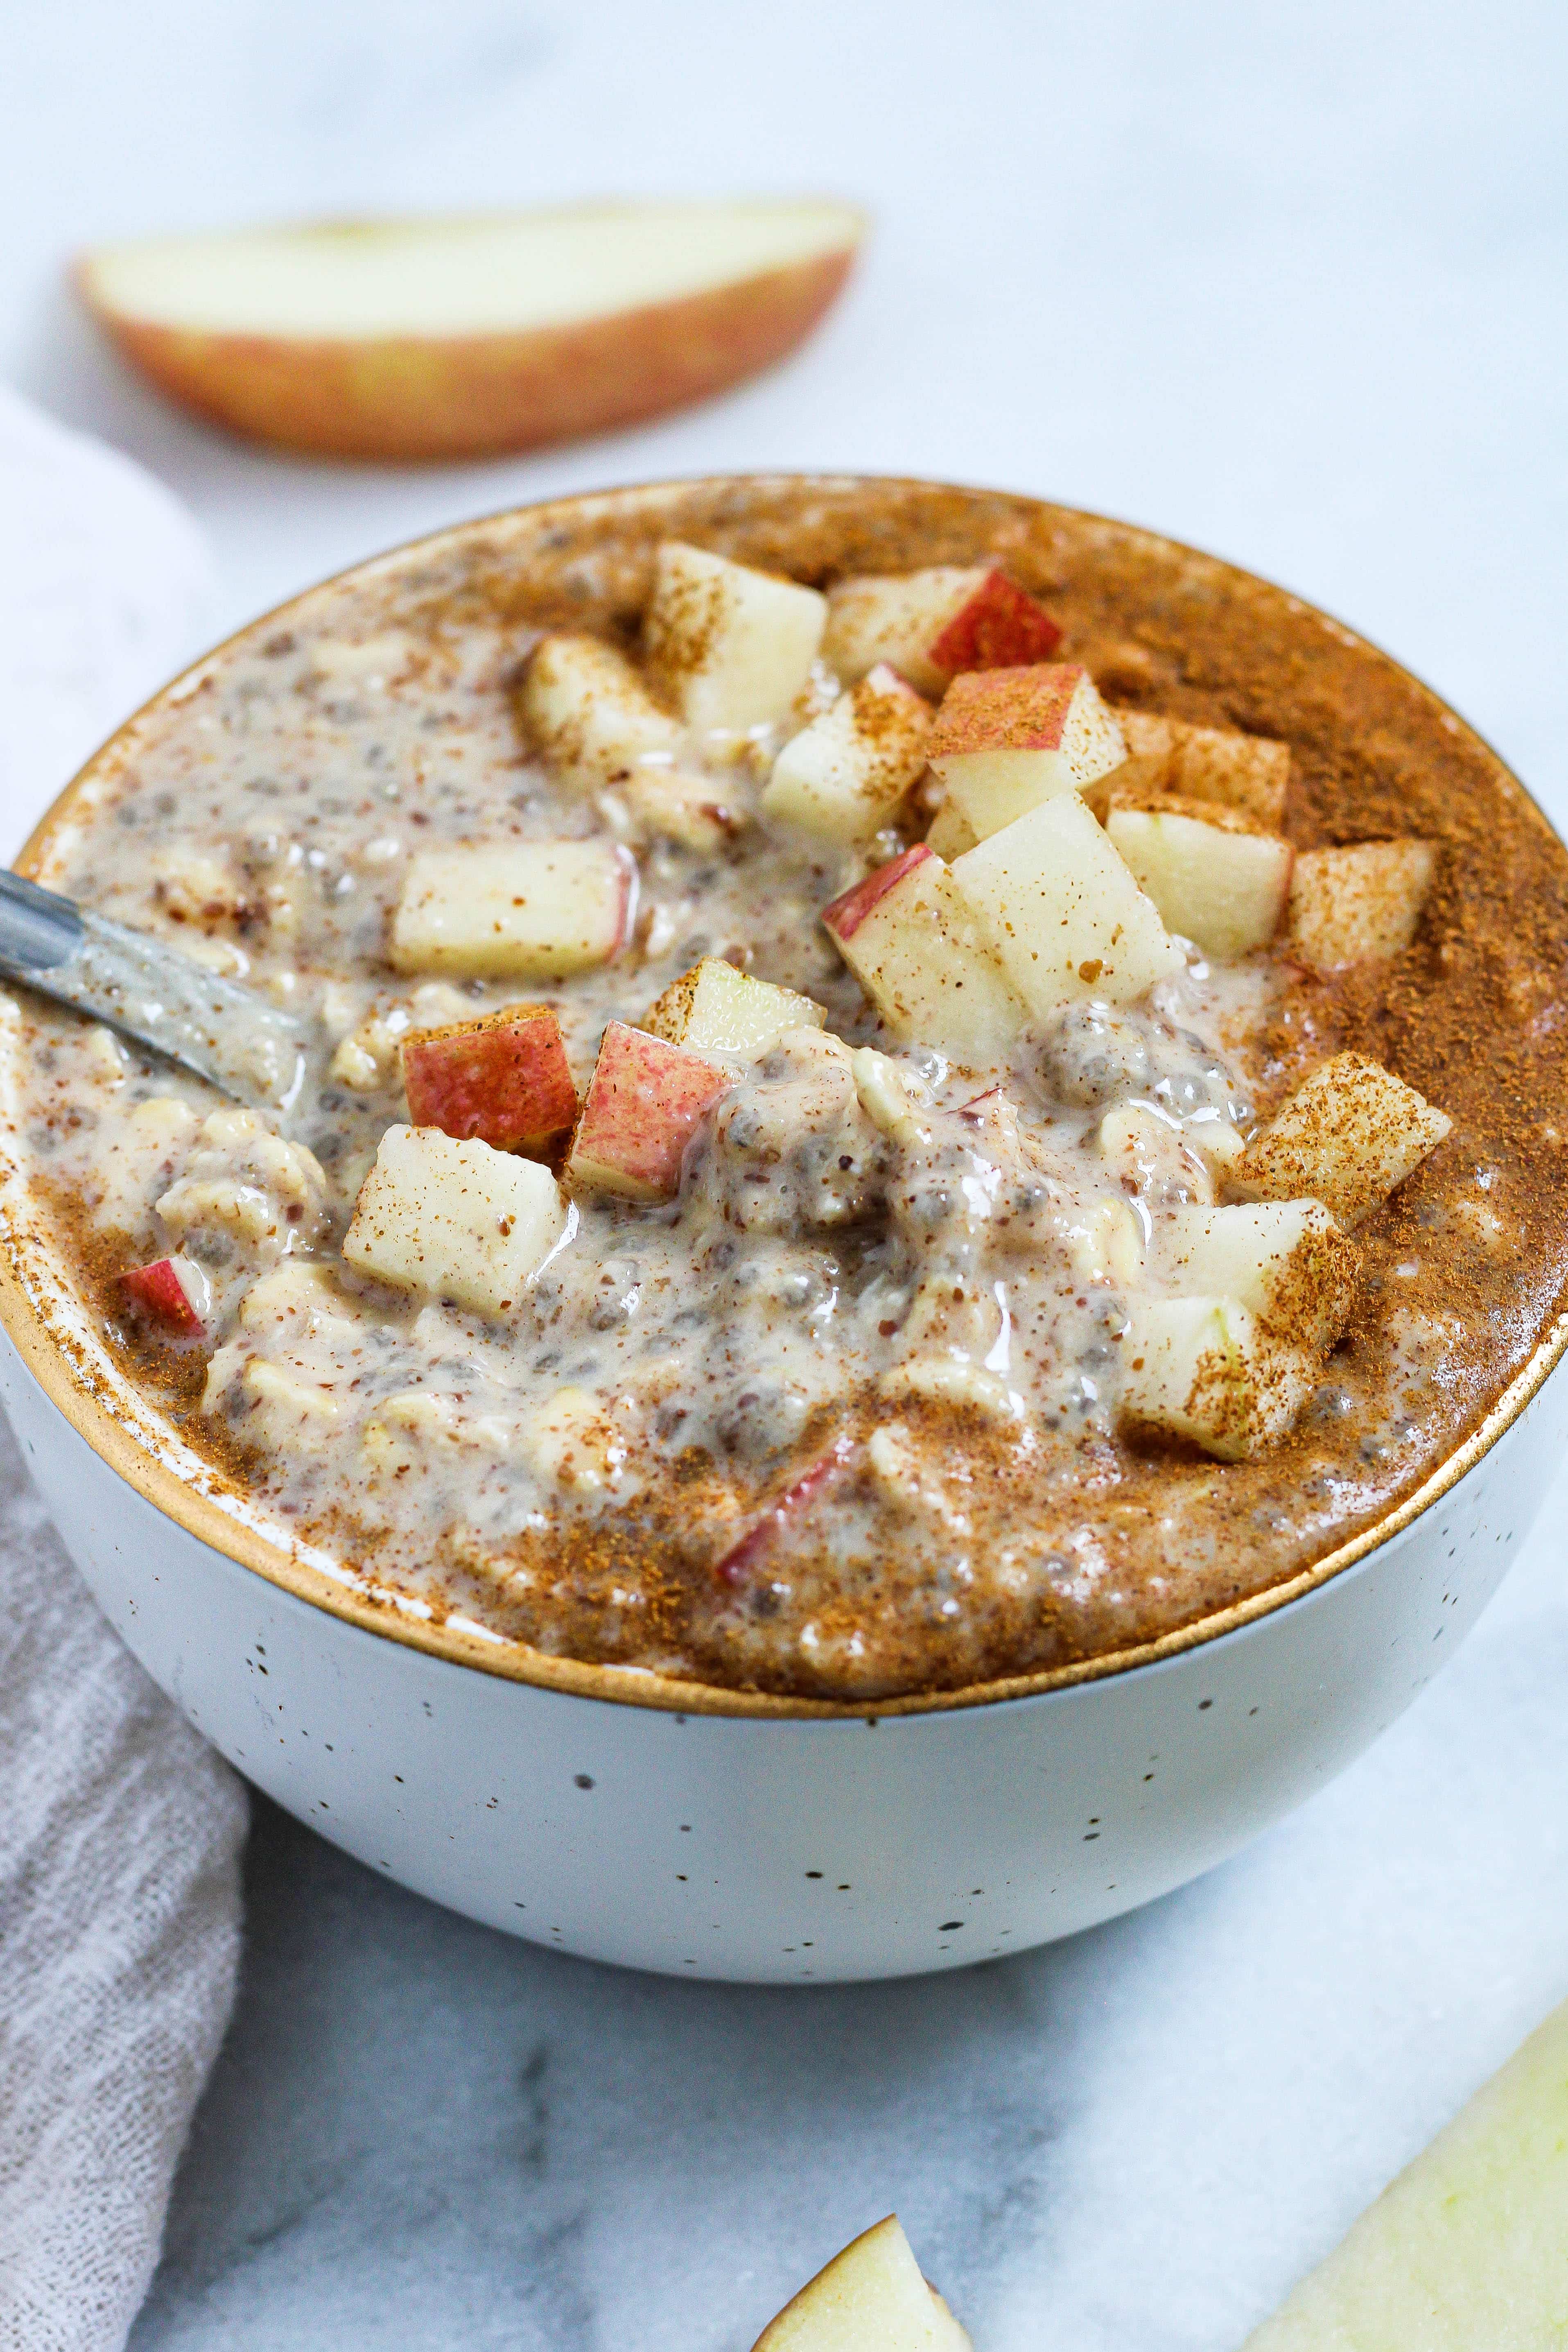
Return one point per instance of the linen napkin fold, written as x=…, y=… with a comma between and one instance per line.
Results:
x=121, y=1830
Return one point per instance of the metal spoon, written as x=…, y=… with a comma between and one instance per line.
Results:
x=147, y=988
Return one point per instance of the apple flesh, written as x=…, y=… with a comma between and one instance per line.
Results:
x=174, y=1292
x=843, y=776
x=1285, y=1261
x=914, y=946
x=643, y=1105
x=451, y=1220
x=1207, y=1369
x=731, y=647
x=929, y=625
x=524, y=910
x=1350, y=905
x=950, y=833
x=869, y=2298
x=465, y=337
x=1061, y=911
x=1006, y=740
x=714, y=1009
x=1250, y=774
x=503, y=1077
x=1469, y=2247
x=1215, y=881
x=585, y=710
x=1346, y=1137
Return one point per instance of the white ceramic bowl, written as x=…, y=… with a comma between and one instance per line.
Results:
x=711, y=1833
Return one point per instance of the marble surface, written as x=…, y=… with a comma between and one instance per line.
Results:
x=1285, y=283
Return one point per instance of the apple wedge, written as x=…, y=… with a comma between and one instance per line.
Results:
x=517, y=910
x=1062, y=912
x=450, y=1220
x=1346, y=1137
x=1207, y=1369
x=1248, y=774
x=714, y=1009
x=469, y=336
x=843, y=776
x=1006, y=740
x=929, y=625
x=1285, y=1261
x=1469, y=2247
x=730, y=648
x=1350, y=905
x=643, y=1104
x=914, y=946
x=869, y=2298
x=1215, y=879
x=174, y=1291
x=503, y=1077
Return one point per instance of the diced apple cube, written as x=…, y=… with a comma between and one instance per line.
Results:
x=503, y=1077
x=731, y=647
x=585, y=710
x=1347, y=1136
x=1349, y=904
x=714, y=1009
x=643, y=1105
x=950, y=833
x=174, y=1291
x=932, y=624
x=869, y=2298
x=914, y=946
x=458, y=1220
x=1215, y=878
x=1285, y=1261
x=1061, y=910
x=1205, y=1369
x=1006, y=740
x=1245, y=773
x=524, y=910
x=843, y=776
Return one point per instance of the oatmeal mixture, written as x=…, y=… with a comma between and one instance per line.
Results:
x=896, y=1095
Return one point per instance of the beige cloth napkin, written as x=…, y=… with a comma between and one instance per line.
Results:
x=121, y=1832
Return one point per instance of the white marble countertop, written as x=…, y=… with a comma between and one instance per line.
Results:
x=1284, y=283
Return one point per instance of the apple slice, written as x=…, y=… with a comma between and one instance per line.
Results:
x=642, y=1106
x=1351, y=904
x=915, y=949
x=586, y=713
x=714, y=1009
x=1216, y=879
x=931, y=625
x=503, y=1077
x=469, y=336
x=174, y=1291
x=1469, y=2247
x=450, y=1220
x=1346, y=1137
x=1206, y=1369
x=522, y=911
x=1005, y=739
x=1285, y=1261
x=1062, y=912
x=731, y=647
x=1248, y=774
x=869, y=2298
x=845, y=774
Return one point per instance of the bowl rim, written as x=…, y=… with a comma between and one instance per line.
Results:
x=109, y=1415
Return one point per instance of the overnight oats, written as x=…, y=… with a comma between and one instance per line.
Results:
x=898, y=1094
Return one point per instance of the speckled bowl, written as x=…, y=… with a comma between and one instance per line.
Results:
x=710, y=1832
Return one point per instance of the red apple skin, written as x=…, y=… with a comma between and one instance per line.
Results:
x=643, y=1103
x=503, y=1079
x=999, y=627
x=744, y=1554
x=158, y=1289
x=1023, y=710
x=846, y=915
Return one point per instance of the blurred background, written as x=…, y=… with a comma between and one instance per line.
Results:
x=1286, y=282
